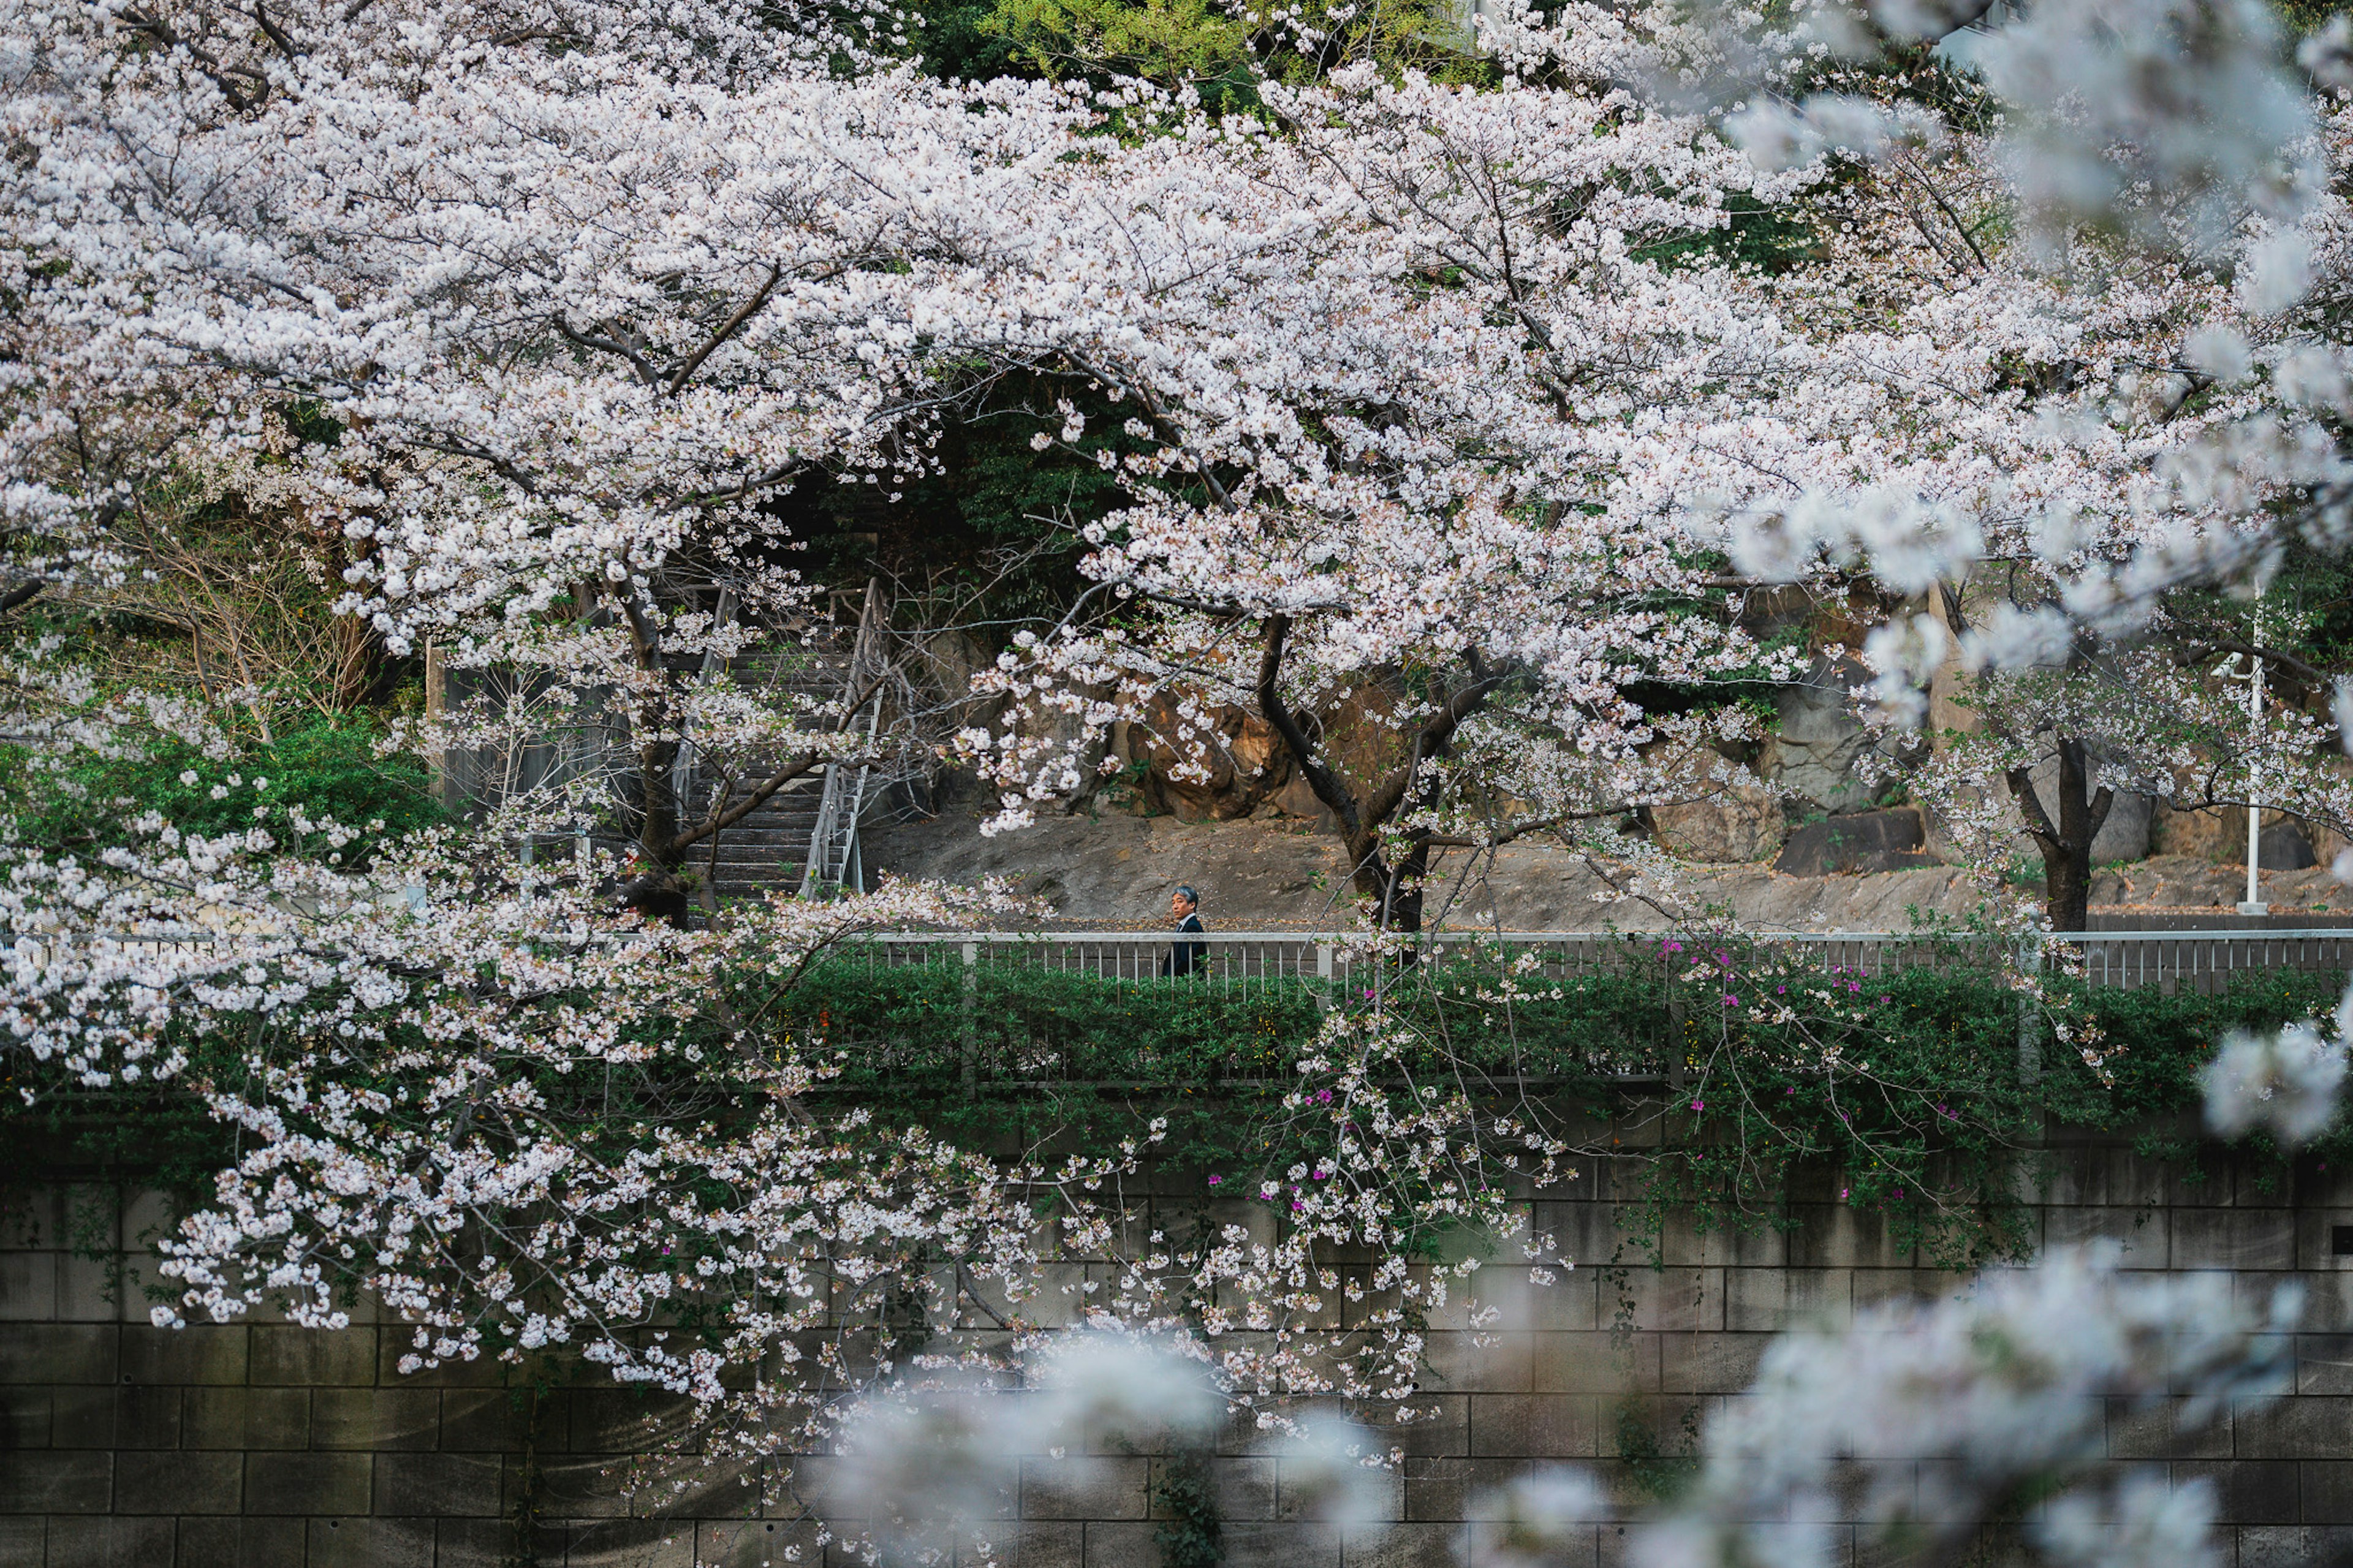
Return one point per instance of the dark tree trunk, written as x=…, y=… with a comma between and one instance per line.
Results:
x=1394, y=891
x=2065, y=838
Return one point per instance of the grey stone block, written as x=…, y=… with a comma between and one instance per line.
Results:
x=24, y=1418
x=198, y=1353
x=2324, y=1364
x=61, y=1481
x=23, y=1541
x=634, y=1544
x=1484, y=1545
x=1535, y=1426
x=91, y=1290
x=1093, y=1489
x=2141, y=1233
x=28, y=1287
x=690, y=1488
x=1438, y=1491
x=246, y=1418
x=1594, y=1363
x=2306, y=1426
x=2324, y=1491
x=1838, y=1236
x=177, y=1483
x=285, y=1355
x=474, y=1543
x=2290, y=1546
x=775, y=1543
x=1441, y=1423
x=397, y=1340
x=375, y=1419
x=114, y=1543
x=1277, y=1546
x=1304, y=1490
x=2233, y=1238
x=308, y=1483
x=569, y=1489
x=485, y=1420
x=1709, y=1364
x=626, y=1420
x=1404, y=1546
x=1464, y=1362
x=90, y=1417
x=1047, y=1544
x=1110, y=1545
x=451, y=1485
x=2251, y=1491
x=2155, y=1433
x=370, y=1544
x=241, y=1543
x=1674, y=1300
x=1237, y=1487
x=59, y=1353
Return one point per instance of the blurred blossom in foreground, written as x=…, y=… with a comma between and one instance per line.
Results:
x=938, y=1462
x=2285, y=1084
x=1924, y=1419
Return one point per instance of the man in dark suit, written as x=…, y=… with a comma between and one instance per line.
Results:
x=1184, y=957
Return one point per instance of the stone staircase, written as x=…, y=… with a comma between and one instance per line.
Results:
x=772, y=848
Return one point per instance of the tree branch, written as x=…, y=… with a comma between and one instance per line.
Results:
x=749, y=309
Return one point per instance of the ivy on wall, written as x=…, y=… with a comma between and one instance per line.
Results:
x=1723, y=1078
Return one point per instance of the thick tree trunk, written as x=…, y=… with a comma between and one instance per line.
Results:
x=2065, y=839
x=1393, y=891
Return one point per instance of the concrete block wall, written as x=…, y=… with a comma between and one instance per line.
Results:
x=270, y=1446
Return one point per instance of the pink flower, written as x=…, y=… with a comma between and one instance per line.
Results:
x=1215, y=1180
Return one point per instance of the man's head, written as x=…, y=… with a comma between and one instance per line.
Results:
x=1183, y=902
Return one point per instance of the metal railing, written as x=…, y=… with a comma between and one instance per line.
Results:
x=1231, y=962
x=2200, y=961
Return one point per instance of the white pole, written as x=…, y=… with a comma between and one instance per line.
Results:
x=2254, y=904
x=2255, y=802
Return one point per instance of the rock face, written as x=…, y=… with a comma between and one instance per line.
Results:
x=1743, y=824
x=2219, y=833
x=1247, y=764
x=1890, y=840
x=2125, y=834
x=1818, y=747
x=1116, y=872
x=2283, y=847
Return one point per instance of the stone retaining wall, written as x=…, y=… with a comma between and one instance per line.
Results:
x=279, y=1447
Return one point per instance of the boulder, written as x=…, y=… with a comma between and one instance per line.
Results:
x=1245, y=763
x=1739, y=825
x=2125, y=834
x=1818, y=746
x=1890, y=840
x=2283, y=847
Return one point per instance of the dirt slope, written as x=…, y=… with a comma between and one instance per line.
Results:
x=1116, y=871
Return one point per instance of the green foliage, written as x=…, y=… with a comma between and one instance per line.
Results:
x=1771, y=239
x=1661, y=1468
x=1193, y=1536
x=1168, y=41
x=327, y=767
x=1900, y=1094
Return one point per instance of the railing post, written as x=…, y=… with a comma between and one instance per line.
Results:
x=969, y=1039
x=1324, y=974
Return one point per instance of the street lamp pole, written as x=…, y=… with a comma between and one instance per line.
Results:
x=2253, y=903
